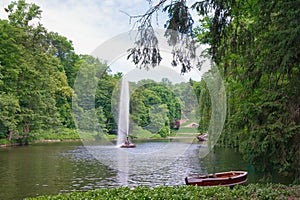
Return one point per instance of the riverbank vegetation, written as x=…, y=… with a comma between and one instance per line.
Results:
x=38, y=72
x=255, y=45
x=252, y=191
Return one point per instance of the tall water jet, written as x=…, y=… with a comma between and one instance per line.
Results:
x=123, y=121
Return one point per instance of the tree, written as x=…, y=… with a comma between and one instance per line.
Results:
x=21, y=13
x=146, y=54
x=63, y=49
x=105, y=97
x=154, y=106
x=30, y=74
x=9, y=107
x=255, y=46
x=89, y=114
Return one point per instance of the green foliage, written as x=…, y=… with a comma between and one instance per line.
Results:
x=21, y=13
x=9, y=107
x=4, y=141
x=38, y=72
x=153, y=106
x=59, y=134
x=69, y=61
x=105, y=97
x=34, y=92
x=256, y=46
x=138, y=132
x=89, y=117
x=164, y=132
x=110, y=136
x=252, y=191
x=64, y=51
x=31, y=78
x=204, y=110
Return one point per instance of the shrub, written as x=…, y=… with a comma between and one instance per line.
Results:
x=252, y=191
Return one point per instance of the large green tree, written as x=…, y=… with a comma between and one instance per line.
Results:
x=30, y=74
x=106, y=97
x=154, y=106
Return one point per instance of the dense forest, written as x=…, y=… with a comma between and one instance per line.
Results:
x=255, y=45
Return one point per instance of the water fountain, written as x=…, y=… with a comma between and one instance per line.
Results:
x=123, y=117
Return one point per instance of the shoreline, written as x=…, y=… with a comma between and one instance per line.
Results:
x=80, y=140
x=39, y=142
x=10, y=145
x=55, y=140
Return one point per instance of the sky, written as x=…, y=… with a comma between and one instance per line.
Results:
x=90, y=23
x=86, y=23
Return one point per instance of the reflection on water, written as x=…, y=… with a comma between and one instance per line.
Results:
x=56, y=168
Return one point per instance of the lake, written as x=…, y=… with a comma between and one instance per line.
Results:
x=54, y=168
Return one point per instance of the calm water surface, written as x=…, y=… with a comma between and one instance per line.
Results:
x=64, y=167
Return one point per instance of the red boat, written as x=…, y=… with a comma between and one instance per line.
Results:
x=128, y=144
x=223, y=178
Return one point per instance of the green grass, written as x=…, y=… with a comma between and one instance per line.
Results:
x=186, y=130
x=4, y=141
x=110, y=136
x=185, y=134
x=252, y=191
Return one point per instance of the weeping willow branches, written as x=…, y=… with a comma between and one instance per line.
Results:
x=179, y=32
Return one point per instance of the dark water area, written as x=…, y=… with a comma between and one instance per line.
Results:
x=55, y=168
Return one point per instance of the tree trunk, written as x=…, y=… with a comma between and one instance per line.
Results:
x=10, y=135
x=25, y=134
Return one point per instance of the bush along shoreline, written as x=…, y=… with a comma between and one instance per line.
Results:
x=43, y=136
x=251, y=191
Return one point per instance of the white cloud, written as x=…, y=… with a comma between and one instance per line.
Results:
x=86, y=23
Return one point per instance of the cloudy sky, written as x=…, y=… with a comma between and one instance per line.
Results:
x=90, y=23
x=86, y=23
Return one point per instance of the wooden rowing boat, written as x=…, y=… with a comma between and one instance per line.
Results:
x=223, y=178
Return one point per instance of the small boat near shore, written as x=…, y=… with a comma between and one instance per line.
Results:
x=231, y=178
x=202, y=137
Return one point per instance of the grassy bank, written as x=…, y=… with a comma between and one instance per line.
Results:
x=252, y=191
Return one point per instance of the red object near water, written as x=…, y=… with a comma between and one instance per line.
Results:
x=128, y=145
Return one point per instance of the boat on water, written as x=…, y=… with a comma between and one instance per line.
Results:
x=131, y=145
x=128, y=144
x=202, y=137
x=231, y=179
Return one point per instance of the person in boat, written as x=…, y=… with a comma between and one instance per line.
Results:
x=127, y=142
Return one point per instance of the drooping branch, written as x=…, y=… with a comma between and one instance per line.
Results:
x=146, y=52
x=147, y=17
x=179, y=31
